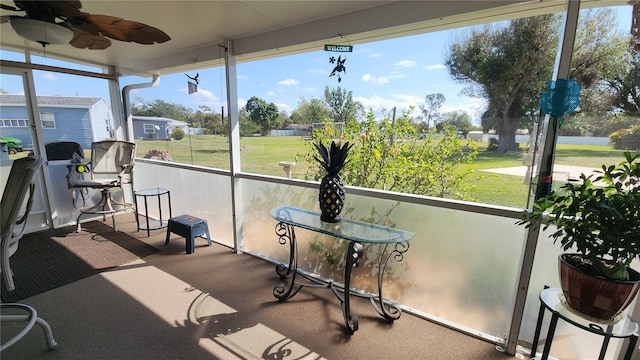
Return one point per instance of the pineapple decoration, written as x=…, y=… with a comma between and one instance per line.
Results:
x=332, y=193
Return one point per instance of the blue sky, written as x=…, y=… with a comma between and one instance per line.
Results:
x=382, y=75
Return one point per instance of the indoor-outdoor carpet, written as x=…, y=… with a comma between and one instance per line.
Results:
x=55, y=257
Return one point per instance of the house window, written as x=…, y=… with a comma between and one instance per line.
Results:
x=14, y=123
x=48, y=121
x=149, y=129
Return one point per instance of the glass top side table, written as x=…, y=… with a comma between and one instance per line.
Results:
x=346, y=229
x=394, y=243
x=552, y=300
x=152, y=224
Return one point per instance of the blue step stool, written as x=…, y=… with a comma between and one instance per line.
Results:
x=190, y=227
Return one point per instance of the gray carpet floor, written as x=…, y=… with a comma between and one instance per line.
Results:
x=215, y=304
x=56, y=257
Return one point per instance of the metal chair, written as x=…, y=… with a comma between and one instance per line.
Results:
x=63, y=150
x=19, y=183
x=108, y=157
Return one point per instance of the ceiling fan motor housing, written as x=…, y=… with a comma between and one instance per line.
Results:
x=43, y=32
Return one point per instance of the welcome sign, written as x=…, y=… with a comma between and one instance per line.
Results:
x=338, y=48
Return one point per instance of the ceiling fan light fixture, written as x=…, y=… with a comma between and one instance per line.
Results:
x=43, y=32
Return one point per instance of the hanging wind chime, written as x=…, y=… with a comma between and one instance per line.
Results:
x=561, y=98
x=635, y=24
x=193, y=87
x=338, y=64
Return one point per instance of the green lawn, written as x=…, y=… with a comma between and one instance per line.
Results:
x=261, y=155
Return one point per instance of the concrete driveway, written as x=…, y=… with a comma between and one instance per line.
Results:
x=560, y=172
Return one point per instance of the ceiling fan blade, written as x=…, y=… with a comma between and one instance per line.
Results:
x=90, y=31
x=127, y=30
x=85, y=40
x=49, y=10
x=9, y=7
x=66, y=9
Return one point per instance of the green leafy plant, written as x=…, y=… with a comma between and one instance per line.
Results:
x=626, y=138
x=388, y=154
x=599, y=217
x=177, y=134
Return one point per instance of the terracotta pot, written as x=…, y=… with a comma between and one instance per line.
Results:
x=596, y=296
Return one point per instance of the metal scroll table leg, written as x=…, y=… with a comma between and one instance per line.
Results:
x=388, y=310
x=354, y=254
x=286, y=234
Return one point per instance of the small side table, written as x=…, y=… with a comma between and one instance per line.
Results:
x=152, y=224
x=550, y=299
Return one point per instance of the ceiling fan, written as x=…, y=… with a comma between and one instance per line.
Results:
x=61, y=21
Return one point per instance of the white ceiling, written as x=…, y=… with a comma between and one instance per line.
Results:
x=263, y=28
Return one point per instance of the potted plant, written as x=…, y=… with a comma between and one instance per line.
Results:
x=598, y=218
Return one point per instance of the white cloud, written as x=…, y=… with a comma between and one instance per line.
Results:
x=374, y=102
x=289, y=82
x=49, y=77
x=382, y=79
x=405, y=64
x=475, y=107
x=284, y=107
x=205, y=97
x=271, y=93
x=408, y=99
x=376, y=55
x=435, y=67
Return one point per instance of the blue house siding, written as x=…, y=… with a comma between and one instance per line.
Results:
x=82, y=120
x=159, y=133
x=162, y=127
x=22, y=133
x=71, y=125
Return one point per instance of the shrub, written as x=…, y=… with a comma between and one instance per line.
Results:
x=390, y=155
x=493, y=144
x=626, y=139
x=177, y=133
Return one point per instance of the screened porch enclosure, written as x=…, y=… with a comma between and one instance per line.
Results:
x=469, y=268
x=461, y=269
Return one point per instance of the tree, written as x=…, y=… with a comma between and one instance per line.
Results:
x=458, y=120
x=311, y=111
x=431, y=107
x=284, y=119
x=160, y=108
x=264, y=114
x=205, y=118
x=343, y=107
x=627, y=86
x=247, y=126
x=509, y=66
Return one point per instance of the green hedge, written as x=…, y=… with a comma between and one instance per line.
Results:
x=626, y=139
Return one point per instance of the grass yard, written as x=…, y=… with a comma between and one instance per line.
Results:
x=261, y=155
